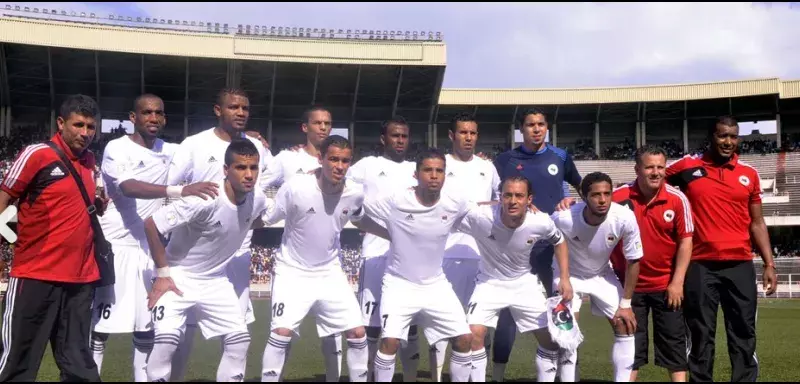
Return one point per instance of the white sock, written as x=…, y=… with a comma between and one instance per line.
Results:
x=567, y=367
x=274, y=357
x=180, y=362
x=546, y=365
x=409, y=356
x=357, y=359
x=98, y=348
x=460, y=366
x=286, y=357
x=436, y=357
x=372, y=348
x=159, y=363
x=384, y=367
x=622, y=355
x=332, y=350
x=142, y=346
x=479, y=362
x=234, y=357
x=498, y=372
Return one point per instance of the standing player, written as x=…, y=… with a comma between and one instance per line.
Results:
x=191, y=270
x=665, y=222
x=476, y=180
x=414, y=286
x=308, y=276
x=726, y=198
x=316, y=125
x=199, y=158
x=549, y=170
x=134, y=169
x=505, y=235
x=382, y=176
x=593, y=228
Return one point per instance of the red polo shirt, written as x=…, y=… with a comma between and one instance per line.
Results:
x=55, y=237
x=721, y=196
x=663, y=222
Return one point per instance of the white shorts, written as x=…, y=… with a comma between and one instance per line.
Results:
x=604, y=290
x=461, y=273
x=370, y=282
x=435, y=307
x=327, y=296
x=122, y=307
x=212, y=301
x=522, y=296
x=238, y=271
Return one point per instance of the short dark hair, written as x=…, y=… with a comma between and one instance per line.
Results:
x=79, y=104
x=334, y=141
x=649, y=150
x=307, y=113
x=461, y=117
x=242, y=147
x=518, y=179
x=529, y=111
x=225, y=92
x=728, y=121
x=143, y=97
x=593, y=178
x=429, y=153
x=397, y=120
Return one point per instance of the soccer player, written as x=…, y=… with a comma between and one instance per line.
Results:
x=725, y=194
x=665, y=222
x=505, y=235
x=476, y=180
x=199, y=158
x=593, y=228
x=308, y=276
x=383, y=176
x=414, y=286
x=134, y=169
x=549, y=170
x=316, y=125
x=191, y=270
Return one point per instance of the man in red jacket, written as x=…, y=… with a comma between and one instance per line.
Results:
x=50, y=292
x=726, y=203
x=665, y=223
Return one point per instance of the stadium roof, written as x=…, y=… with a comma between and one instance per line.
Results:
x=102, y=37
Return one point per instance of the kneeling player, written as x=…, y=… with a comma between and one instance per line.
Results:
x=308, y=277
x=505, y=235
x=192, y=269
x=593, y=229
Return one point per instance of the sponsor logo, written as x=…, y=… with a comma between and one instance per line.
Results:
x=212, y=159
x=56, y=172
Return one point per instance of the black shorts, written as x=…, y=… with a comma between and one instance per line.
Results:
x=669, y=332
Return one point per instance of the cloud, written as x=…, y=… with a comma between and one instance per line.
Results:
x=517, y=45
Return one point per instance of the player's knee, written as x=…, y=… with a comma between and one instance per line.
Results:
x=389, y=346
x=282, y=332
x=545, y=340
x=413, y=330
x=463, y=343
x=373, y=332
x=619, y=328
x=478, y=336
x=356, y=333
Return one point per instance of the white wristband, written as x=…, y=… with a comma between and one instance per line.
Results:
x=175, y=191
x=162, y=272
x=625, y=304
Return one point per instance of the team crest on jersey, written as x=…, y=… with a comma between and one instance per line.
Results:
x=483, y=174
x=610, y=239
x=744, y=180
x=669, y=215
x=171, y=218
x=344, y=212
x=552, y=169
x=444, y=217
x=530, y=241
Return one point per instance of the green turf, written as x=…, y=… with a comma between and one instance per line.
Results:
x=777, y=351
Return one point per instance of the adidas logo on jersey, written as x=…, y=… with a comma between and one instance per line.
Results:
x=141, y=165
x=56, y=172
x=450, y=174
x=576, y=238
x=212, y=159
x=311, y=210
x=271, y=374
x=238, y=378
x=483, y=174
x=491, y=237
x=382, y=174
x=410, y=217
x=697, y=173
x=299, y=171
x=217, y=224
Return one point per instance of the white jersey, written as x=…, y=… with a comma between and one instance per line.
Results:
x=590, y=246
x=314, y=221
x=505, y=252
x=207, y=233
x=418, y=233
x=381, y=177
x=288, y=164
x=476, y=181
x=123, y=220
x=201, y=157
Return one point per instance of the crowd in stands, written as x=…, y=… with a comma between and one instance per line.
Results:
x=264, y=257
